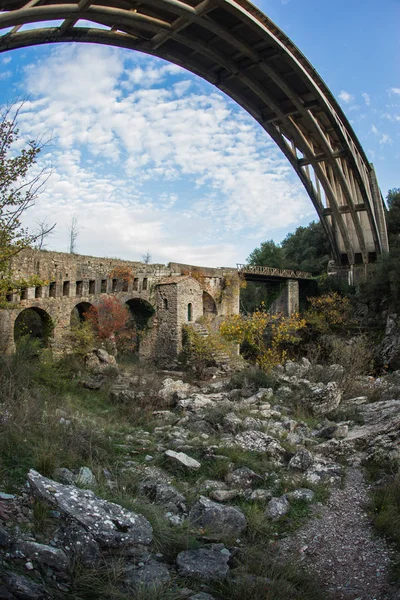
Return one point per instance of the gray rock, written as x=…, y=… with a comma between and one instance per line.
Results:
x=231, y=423
x=277, y=508
x=242, y=478
x=5, y=538
x=261, y=495
x=260, y=442
x=301, y=494
x=4, y=496
x=324, y=398
x=151, y=574
x=324, y=473
x=263, y=395
x=80, y=545
x=86, y=478
x=302, y=460
x=23, y=588
x=389, y=351
x=98, y=360
x=173, y=390
x=205, y=563
x=110, y=525
x=64, y=475
x=42, y=554
x=217, y=519
x=183, y=459
x=201, y=596
x=223, y=495
x=163, y=494
x=121, y=394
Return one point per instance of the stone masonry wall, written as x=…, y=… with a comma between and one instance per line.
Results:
x=70, y=279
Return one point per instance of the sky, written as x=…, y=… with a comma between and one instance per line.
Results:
x=150, y=158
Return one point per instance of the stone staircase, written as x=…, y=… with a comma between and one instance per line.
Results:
x=223, y=360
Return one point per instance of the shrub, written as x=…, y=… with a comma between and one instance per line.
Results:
x=266, y=339
x=327, y=311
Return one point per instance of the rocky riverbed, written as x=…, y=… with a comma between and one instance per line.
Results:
x=217, y=473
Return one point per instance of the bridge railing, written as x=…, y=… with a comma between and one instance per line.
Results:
x=272, y=272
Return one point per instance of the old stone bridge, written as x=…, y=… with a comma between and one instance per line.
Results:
x=161, y=298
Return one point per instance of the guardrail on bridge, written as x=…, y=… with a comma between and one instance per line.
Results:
x=272, y=272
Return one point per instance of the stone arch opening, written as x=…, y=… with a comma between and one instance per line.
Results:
x=34, y=323
x=78, y=313
x=141, y=315
x=209, y=305
x=141, y=312
x=190, y=312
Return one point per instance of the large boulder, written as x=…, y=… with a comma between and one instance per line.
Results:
x=42, y=555
x=323, y=399
x=110, y=525
x=173, y=390
x=216, y=519
x=98, y=361
x=258, y=441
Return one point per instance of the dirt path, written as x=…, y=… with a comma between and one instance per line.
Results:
x=340, y=546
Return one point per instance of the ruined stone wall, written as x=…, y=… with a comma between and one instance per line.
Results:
x=71, y=279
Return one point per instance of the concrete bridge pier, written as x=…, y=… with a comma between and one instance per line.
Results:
x=288, y=301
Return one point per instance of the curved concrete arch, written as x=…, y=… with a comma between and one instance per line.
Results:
x=234, y=46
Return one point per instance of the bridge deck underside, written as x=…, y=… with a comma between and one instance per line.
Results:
x=234, y=46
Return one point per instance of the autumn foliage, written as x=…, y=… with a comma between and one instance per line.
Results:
x=267, y=339
x=110, y=319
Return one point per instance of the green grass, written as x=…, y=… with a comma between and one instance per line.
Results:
x=260, y=576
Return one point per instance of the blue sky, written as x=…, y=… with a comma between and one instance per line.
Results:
x=150, y=157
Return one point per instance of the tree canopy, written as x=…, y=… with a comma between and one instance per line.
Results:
x=307, y=249
x=18, y=191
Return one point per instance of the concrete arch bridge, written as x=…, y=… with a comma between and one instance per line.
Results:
x=237, y=48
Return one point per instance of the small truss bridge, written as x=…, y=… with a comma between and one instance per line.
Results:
x=260, y=272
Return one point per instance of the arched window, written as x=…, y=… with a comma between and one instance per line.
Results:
x=190, y=312
x=165, y=303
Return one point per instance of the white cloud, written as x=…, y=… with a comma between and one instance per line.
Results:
x=345, y=97
x=374, y=129
x=385, y=139
x=5, y=60
x=367, y=98
x=167, y=165
x=394, y=90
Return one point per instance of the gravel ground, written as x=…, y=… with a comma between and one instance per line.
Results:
x=340, y=547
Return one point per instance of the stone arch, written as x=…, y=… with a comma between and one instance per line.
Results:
x=142, y=313
x=35, y=323
x=78, y=313
x=209, y=305
x=190, y=312
x=237, y=48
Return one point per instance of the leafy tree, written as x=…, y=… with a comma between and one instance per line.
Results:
x=269, y=254
x=307, y=249
x=18, y=192
x=393, y=214
x=382, y=290
x=109, y=318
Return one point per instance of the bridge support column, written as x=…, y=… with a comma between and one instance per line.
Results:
x=288, y=301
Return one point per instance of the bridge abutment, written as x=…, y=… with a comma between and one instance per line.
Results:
x=288, y=301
